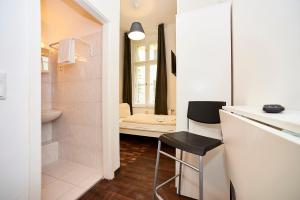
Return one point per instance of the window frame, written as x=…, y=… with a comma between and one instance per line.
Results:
x=147, y=63
x=44, y=54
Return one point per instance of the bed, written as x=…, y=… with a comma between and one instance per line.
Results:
x=148, y=125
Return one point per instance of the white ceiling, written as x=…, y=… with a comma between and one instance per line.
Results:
x=149, y=12
x=64, y=18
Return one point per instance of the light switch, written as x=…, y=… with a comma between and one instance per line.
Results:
x=2, y=85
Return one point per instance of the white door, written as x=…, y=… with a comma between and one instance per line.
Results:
x=204, y=74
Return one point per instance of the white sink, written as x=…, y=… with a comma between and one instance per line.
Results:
x=50, y=115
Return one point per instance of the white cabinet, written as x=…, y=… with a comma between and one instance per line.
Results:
x=263, y=161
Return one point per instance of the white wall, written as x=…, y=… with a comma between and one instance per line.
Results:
x=203, y=73
x=188, y=5
x=266, y=52
x=170, y=42
x=20, y=137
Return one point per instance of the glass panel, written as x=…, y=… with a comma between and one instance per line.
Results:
x=140, y=85
x=45, y=61
x=153, y=69
x=153, y=52
x=140, y=54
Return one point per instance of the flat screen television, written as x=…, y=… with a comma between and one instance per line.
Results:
x=173, y=62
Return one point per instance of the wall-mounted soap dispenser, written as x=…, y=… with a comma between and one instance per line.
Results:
x=2, y=85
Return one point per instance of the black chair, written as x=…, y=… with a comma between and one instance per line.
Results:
x=199, y=111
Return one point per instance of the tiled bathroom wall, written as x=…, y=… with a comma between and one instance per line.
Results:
x=46, y=95
x=49, y=147
x=76, y=91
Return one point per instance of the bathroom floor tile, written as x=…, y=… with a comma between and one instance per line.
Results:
x=90, y=181
x=55, y=190
x=78, y=174
x=73, y=194
x=59, y=169
x=66, y=180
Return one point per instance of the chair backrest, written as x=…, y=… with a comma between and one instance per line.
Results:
x=205, y=111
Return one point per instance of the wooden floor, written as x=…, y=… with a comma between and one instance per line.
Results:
x=135, y=177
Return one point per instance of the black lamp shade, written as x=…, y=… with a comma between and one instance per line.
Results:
x=136, y=31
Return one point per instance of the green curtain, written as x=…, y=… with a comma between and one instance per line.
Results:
x=161, y=107
x=127, y=80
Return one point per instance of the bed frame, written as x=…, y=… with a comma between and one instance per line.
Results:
x=145, y=133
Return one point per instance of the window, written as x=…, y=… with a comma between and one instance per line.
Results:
x=45, y=60
x=144, y=73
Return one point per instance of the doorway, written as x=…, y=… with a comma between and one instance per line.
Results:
x=71, y=101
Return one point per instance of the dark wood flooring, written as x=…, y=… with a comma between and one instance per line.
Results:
x=134, y=180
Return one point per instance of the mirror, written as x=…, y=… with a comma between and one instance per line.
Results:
x=45, y=60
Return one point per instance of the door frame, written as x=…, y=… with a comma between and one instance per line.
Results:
x=110, y=135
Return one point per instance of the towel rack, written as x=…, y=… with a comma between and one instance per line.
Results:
x=92, y=51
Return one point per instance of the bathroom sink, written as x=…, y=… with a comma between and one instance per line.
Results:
x=50, y=115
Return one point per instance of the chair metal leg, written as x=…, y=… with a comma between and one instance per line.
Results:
x=180, y=172
x=201, y=178
x=156, y=170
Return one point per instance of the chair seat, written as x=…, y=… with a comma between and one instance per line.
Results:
x=190, y=142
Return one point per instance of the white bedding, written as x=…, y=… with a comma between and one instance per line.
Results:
x=149, y=125
x=151, y=119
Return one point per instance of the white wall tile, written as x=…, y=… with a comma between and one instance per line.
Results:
x=76, y=91
x=46, y=180
x=49, y=153
x=46, y=132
